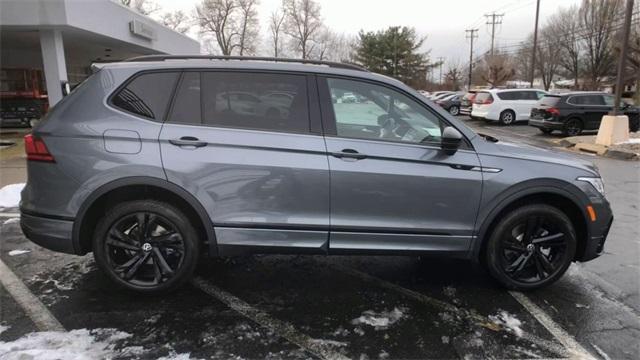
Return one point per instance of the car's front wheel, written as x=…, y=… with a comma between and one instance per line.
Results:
x=454, y=110
x=531, y=247
x=573, y=127
x=146, y=246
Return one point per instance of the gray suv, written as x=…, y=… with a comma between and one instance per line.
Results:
x=153, y=162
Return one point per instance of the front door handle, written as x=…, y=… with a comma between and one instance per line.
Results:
x=188, y=141
x=349, y=154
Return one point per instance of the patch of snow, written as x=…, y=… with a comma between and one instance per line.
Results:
x=383, y=355
x=381, y=320
x=332, y=343
x=582, y=306
x=54, y=345
x=11, y=221
x=175, y=356
x=450, y=291
x=359, y=331
x=508, y=321
x=341, y=332
x=445, y=339
x=10, y=195
x=18, y=252
x=630, y=141
x=4, y=328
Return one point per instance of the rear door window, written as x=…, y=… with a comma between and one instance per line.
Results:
x=587, y=100
x=508, y=95
x=147, y=95
x=271, y=102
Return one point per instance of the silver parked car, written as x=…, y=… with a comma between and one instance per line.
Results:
x=151, y=163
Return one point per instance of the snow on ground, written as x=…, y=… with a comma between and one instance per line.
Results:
x=18, y=252
x=3, y=328
x=630, y=141
x=81, y=344
x=11, y=221
x=10, y=195
x=508, y=321
x=381, y=320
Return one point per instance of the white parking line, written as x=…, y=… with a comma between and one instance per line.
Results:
x=32, y=306
x=278, y=327
x=476, y=318
x=568, y=341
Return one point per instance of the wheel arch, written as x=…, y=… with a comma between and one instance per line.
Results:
x=133, y=188
x=561, y=197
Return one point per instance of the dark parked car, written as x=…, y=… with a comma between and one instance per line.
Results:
x=451, y=103
x=467, y=102
x=574, y=112
x=149, y=165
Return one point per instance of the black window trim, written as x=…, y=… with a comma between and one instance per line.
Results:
x=315, y=127
x=135, y=76
x=329, y=120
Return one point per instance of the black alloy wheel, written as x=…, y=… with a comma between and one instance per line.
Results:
x=146, y=246
x=573, y=127
x=531, y=247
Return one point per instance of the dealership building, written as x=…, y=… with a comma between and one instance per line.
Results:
x=52, y=42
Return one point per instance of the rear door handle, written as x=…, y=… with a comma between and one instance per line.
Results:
x=188, y=141
x=349, y=154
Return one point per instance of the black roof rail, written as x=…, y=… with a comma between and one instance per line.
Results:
x=248, y=58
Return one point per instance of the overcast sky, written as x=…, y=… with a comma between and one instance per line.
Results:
x=443, y=22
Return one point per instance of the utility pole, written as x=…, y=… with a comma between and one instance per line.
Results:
x=496, y=19
x=623, y=57
x=441, y=60
x=471, y=34
x=535, y=45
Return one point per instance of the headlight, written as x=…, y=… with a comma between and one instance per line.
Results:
x=596, y=182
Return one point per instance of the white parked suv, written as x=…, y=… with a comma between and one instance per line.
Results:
x=505, y=105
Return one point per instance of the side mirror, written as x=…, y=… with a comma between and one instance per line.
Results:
x=66, y=88
x=451, y=139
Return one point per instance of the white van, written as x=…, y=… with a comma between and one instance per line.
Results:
x=505, y=105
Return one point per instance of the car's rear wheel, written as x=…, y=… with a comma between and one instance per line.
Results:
x=146, y=245
x=454, y=110
x=634, y=124
x=572, y=127
x=507, y=117
x=531, y=247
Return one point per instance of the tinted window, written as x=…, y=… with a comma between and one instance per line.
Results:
x=610, y=100
x=186, y=106
x=549, y=100
x=147, y=95
x=274, y=102
x=508, y=95
x=368, y=111
x=482, y=97
x=587, y=100
x=528, y=95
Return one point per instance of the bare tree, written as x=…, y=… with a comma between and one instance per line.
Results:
x=549, y=54
x=144, y=7
x=248, y=26
x=177, y=20
x=498, y=69
x=598, y=17
x=217, y=17
x=276, y=22
x=565, y=24
x=454, y=75
x=303, y=24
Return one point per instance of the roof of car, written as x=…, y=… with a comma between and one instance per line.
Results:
x=493, y=91
x=248, y=64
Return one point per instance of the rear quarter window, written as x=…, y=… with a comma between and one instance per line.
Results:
x=549, y=100
x=146, y=95
x=483, y=96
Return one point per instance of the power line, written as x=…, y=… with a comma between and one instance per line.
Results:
x=496, y=19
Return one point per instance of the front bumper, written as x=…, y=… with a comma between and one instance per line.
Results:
x=545, y=124
x=598, y=232
x=53, y=234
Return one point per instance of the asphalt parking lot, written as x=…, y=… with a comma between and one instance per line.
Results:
x=334, y=307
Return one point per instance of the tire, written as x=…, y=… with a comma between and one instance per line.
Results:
x=516, y=260
x=507, y=117
x=454, y=110
x=146, y=264
x=545, y=131
x=572, y=127
x=634, y=124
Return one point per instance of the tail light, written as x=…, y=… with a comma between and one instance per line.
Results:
x=36, y=149
x=488, y=101
x=553, y=111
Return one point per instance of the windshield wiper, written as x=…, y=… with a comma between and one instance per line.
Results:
x=489, y=137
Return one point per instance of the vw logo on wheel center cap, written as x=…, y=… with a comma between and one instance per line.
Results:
x=146, y=247
x=530, y=247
